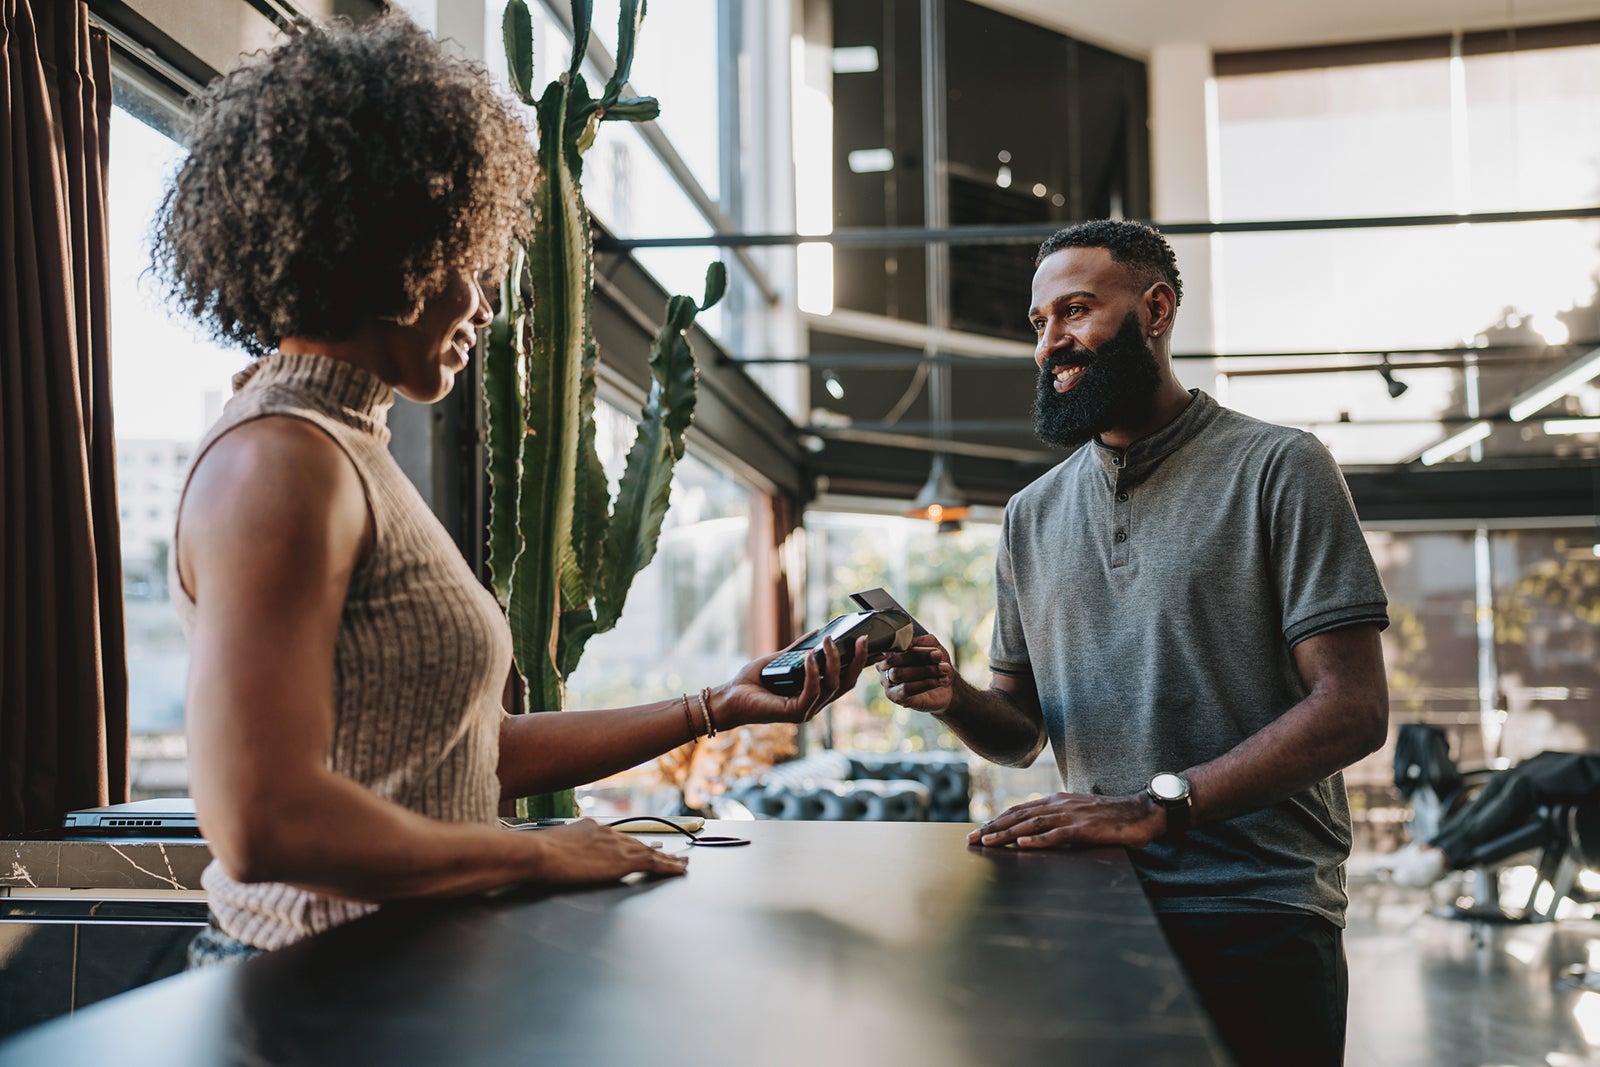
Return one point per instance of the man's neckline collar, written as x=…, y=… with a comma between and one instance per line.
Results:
x=1146, y=452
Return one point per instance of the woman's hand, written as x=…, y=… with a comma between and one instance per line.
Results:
x=584, y=852
x=745, y=700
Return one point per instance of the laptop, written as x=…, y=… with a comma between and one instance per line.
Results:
x=162, y=817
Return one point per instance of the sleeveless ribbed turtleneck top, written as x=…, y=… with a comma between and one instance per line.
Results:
x=422, y=651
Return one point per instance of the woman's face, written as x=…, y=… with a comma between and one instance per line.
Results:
x=425, y=356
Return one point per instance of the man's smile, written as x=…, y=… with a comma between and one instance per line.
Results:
x=1066, y=378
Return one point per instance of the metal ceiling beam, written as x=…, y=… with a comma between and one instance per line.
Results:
x=1504, y=491
x=1032, y=233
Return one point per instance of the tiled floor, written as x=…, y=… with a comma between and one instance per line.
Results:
x=1425, y=993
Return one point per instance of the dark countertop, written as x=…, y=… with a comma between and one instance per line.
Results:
x=837, y=943
x=103, y=863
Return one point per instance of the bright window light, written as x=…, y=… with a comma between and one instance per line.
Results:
x=1455, y=443
x=871, y=160
x=857, y=59
x=1572, y=426
x=1552, y=329
x=813, y=183
x=1563, y=383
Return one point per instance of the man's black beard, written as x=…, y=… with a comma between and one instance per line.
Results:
x=1118, y=387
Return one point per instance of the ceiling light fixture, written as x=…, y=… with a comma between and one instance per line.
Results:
x=940, y=500
x=831, y=382
x=1386, y=372
x=1456, y=442
x=1569, y=426
x=1557, y=387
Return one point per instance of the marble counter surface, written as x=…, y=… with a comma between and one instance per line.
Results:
x=103, y=863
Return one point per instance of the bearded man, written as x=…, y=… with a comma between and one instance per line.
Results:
x=1186, y=610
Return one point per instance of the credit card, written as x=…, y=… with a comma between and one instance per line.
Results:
x=878, y=599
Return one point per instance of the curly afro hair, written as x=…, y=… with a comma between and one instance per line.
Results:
x=340, y=177
x=1138, y=247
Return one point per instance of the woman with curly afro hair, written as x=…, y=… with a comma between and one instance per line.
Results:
x=345, y=195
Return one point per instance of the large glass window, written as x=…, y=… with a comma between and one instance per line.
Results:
x=947, y=582
x=1547, y=640
x=1533, y=685
x=1426, y=136
x=1527, y=684
x=169, y=384
x=687, y=614
x=1005, y=164
x=626, y=184
x=677, y=61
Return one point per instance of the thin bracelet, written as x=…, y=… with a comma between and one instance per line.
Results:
x=694, y=728
x=711, y=727
x=705, y=702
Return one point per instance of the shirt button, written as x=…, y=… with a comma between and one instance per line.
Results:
x=1123, y=497
x=1122, y=535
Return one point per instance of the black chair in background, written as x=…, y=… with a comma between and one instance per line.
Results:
x=1559, y=831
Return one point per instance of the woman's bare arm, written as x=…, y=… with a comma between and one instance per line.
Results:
x=273, y=525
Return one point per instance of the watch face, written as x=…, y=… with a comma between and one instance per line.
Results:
x=1169, y=787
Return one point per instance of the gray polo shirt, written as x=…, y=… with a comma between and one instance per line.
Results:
x=1155, y=595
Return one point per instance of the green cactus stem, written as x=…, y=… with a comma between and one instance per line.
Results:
x=561, y=558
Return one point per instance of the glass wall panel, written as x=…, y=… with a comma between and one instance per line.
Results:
x=1092, y=164
x=676, y=61
x=1342, y=141
x=1547, y=639
x=1407, y=288
x=626, y=185
x=947, y=582
x=1435, y=136
x=687, y=613
x=1522, y=109
x=169, y=384
x=631, y=191
x=1431, y=646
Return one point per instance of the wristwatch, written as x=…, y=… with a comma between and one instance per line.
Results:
x=1171, y=791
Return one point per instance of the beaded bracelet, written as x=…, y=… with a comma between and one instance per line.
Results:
x=694, y=727
x=705, y=709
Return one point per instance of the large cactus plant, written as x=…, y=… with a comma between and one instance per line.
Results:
x=562, y=558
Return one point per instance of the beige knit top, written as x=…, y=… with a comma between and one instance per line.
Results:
x=422, y=652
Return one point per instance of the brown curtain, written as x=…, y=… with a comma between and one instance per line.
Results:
x=63, y=664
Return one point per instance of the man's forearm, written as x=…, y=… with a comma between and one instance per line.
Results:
x=1344, y=717
x=993, y=724
x=1296, y=751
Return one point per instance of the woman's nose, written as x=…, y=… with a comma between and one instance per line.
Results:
x=483, y=314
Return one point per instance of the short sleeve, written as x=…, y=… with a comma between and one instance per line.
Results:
x=1321, y=564
x=1008, y=648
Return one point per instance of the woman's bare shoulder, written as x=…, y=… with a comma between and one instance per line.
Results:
x=274, y=487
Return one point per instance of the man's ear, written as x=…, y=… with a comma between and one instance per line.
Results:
x=1161, y=305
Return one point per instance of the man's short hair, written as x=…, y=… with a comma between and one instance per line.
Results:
x=1135, y=245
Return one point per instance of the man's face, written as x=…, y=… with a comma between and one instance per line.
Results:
x=1097, y=370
